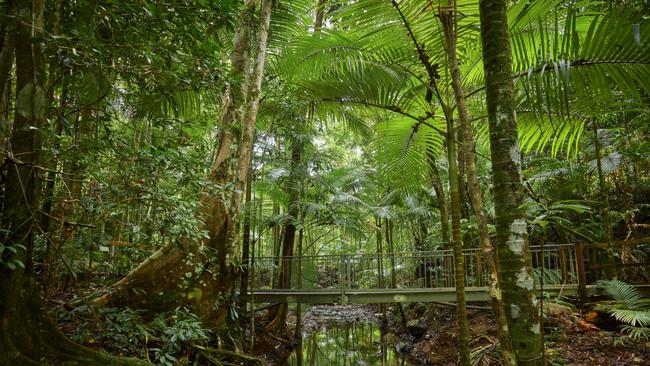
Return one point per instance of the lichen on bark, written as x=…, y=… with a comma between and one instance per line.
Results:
x=515, y=267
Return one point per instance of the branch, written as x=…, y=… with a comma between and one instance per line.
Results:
x=423, y=57
x=392, y=108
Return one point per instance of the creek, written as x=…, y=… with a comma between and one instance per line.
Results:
x=346, y=342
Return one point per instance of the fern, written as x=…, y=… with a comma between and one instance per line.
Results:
x=636, y=333
x=628, y=306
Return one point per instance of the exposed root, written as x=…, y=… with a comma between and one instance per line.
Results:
x=278, y=316
x=28, y=337
x=222, y=357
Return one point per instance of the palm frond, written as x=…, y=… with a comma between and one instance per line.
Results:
x=632, y=317
x=623, y=293
x=636, y=333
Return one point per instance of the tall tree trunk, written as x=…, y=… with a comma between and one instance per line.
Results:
x=293, y=190
x=298, y=330
x=161, y=278
x=515, y=266
x=459, y=262
x=6, y=63
x=292, y=210
x=279, y=313
x=246, y=244
x=442, y=202
x=28, y=337
x=391, y=251
x=449, y=22
x=611, y=268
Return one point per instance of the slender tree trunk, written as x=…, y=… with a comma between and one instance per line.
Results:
x=442, y=201
x=246, y=244
x=289, y=237
x=6, y=63
x=515, y=267
x=611, y=269
x=58, y=117
x=380, y=270
x=449, y=21
x=420, y=234
x=459, y=262
x=292, y=189
x=380, y=251
x=391, y=251
x=298, y=330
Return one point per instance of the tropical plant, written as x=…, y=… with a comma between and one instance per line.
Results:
x=629, y=306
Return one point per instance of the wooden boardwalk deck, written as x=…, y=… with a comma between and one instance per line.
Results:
x=568, y=269
x=375, y=296
x=333, y=296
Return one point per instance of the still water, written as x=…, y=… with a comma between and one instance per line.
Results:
x=347, y=344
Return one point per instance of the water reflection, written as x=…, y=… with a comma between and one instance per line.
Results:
x=346, y=344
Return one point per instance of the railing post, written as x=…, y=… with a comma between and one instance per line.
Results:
x=479, y=269
x=580, y=267
x=348, y=269
x=563, y=266
x=343, y=279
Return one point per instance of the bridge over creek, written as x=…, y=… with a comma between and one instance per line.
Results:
x=566, y=269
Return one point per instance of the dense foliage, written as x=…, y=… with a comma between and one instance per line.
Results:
x=353, y=151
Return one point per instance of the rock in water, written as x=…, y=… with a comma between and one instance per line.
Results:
x=417, y=327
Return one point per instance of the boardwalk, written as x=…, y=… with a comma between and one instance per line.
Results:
x=408, y=277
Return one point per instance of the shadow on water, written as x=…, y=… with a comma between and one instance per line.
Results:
x=347, y=344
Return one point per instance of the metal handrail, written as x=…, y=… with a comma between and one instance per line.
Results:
x=409, y=254
x=426, y=269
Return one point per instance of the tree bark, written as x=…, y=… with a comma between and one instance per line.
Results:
x=289, y=237
x=449, y=22
x=459, y=262
x=28, y=337
x=205, y=274
x=611, y=269
x=514, y=261
x=246, y=246
x=442, y=202
x=6, y=63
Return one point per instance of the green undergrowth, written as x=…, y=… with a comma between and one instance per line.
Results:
x=163, y=339
x=629, y=306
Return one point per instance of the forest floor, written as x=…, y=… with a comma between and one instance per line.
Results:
x=572, y=338
x=426, y=334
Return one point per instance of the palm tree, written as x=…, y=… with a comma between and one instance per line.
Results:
x=367, y=67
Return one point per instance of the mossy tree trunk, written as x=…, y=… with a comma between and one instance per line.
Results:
x=205, y=274
x=459, y=262
x=27, y=336
x=6, y=64
x=514, y=261
x=441, y=197
x=292, y=188
x=449, y=20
